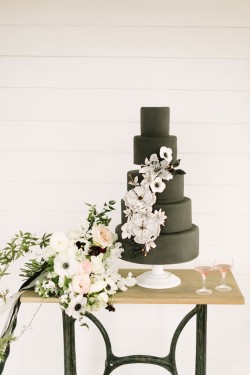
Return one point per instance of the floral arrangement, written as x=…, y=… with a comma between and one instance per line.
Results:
x=143, y=223
x=80, y=267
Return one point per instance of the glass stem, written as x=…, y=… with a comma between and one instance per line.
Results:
x=204, y=282
x=223, y=275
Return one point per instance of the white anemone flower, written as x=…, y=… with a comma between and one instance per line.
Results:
x=59, y=241
x=111, y=286
x=166, y=153
x=65, y=264
x=76, y=307
x=157, y=186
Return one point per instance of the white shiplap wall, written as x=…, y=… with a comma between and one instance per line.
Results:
x=73, y=76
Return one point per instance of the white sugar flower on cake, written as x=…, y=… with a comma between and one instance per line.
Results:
x=157, y=186
x=140, y=197
x=144, y=223
x=166, y=153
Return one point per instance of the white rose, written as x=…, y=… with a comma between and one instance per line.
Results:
x=102, y=236
x=59, y=241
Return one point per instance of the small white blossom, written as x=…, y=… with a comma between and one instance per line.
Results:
x=130, y=280
x=97, y=264
x=98, y=286
x=64, y=298
x=102, y=299
x=48, y=252
x=150, y=245
x=160, y=215
x=133, y=182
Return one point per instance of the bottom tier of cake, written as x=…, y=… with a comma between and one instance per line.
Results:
x=170, y=248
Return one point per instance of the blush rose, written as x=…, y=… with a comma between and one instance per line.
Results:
x=81, y=283
x=102, y=236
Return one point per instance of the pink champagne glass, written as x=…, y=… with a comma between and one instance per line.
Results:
x=203, y=266
x=223, y=264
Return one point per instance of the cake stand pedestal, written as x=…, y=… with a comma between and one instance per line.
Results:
x=157, y=278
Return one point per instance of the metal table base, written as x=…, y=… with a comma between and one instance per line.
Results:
x=112, y=361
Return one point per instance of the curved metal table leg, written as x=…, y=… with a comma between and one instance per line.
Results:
x=168, y=362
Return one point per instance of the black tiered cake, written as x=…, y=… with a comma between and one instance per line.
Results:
x=178, y=241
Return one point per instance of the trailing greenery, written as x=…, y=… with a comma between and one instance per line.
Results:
x=4, y=342
x=4, y=294
x=30, y=268
x=20, y=245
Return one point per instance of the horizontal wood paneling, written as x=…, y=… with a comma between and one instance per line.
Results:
x=43, y=196
x=90, y=136
x=126, y=41
x=130, y=73
x=108, y=167
x=89, y=105
x=130, y=12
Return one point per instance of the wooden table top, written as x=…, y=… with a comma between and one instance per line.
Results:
x=181, y=294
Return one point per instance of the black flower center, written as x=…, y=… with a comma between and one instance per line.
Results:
x=157, y=184
x=78, y=307
x=80, y=245
x=65, y=266
x=165, y=155
x=140, y=198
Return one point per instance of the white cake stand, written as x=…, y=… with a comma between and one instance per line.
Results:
x=157, y=278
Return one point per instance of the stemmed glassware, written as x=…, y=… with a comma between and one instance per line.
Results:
x=223, y=264
x=203, y=266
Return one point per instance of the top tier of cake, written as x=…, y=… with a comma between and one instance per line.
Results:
x=154, y=121
x=154, y=134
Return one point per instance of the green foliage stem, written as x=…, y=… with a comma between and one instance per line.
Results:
x=4, y=341
x=20, y=245
x=95, y=217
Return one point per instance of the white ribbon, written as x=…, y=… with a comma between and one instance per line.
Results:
x=10, y=303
